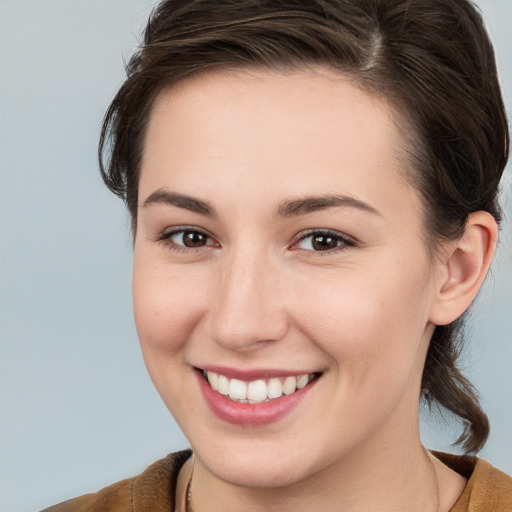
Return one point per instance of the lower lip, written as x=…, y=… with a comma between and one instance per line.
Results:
x=251, y=414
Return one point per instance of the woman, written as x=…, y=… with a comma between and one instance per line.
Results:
x=313, y=193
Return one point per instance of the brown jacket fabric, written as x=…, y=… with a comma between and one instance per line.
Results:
x=487, y=490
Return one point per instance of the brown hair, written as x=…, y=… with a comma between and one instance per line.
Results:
x=432, y=60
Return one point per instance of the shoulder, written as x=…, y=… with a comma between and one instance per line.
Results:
x=487, y=487
x=151, y=490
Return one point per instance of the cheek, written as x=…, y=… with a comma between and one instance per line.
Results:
x=167, y=306
x=371, y=324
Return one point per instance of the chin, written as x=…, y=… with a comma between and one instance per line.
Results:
x=255, y=474
x=258, y=464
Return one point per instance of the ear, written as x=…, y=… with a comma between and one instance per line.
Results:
x=463, y=267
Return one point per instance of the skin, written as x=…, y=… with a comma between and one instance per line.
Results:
x=258, y=295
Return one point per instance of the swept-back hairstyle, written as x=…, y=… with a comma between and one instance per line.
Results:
x=432, y=61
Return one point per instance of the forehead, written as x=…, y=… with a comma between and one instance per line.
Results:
x=310, y=93
x=313, y=129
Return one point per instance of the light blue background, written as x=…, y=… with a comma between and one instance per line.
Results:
x=76, y=406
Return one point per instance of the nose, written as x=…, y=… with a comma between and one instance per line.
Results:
x=249, y=307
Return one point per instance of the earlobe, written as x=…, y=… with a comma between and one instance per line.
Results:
x=464, y=268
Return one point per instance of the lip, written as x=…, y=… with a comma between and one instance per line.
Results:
x=248, y=375
x=250, y=414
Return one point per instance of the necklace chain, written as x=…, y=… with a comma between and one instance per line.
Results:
x=189, y=498
x=189, y=488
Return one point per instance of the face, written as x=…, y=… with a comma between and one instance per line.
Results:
x=280, y=249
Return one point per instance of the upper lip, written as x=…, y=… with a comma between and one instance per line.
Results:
x=252, y=374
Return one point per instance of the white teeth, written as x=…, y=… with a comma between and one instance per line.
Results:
x=223, y=385
x=256, y=391
x=275, y=390
x=289, y=385
x=302, y=381
x=213, y=379
x=237, y=389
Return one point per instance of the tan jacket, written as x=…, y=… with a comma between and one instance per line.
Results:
x=487, y=490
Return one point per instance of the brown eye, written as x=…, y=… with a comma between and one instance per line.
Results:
x=189, y=238
x=323, y=241
x=194, y=239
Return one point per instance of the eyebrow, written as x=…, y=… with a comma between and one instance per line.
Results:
x=290, y=208
x=307, y=205
x=162, y=196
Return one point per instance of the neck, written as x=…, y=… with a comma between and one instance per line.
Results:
x=377, y=479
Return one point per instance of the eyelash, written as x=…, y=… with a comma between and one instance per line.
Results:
x=343, y=240
x=166, y=237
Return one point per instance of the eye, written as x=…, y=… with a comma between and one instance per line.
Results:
x=185, y=239
x=189, y=238
x=321, y=240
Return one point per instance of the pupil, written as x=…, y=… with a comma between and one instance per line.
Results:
x=193, y=239
x=324, y=242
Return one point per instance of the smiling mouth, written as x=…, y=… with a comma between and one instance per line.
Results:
x=257, y=391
